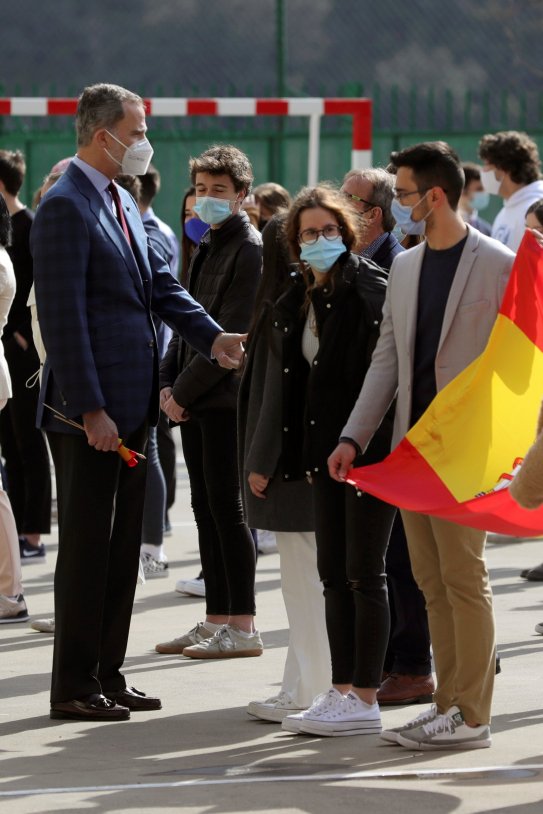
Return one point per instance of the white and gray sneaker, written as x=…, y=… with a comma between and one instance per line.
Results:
x=448, y=731
x=12, y=609
x=228, y=642
x=351, y=716
x=326, y=700
x=391, y=735
x=274, y=709
x=153, y=567
x=197, y=634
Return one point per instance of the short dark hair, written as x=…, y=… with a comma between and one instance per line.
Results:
x=272, y=195
x=537, y=209
x=150, y=185
x=434, y=164
x=132, y=184
x=224, y=159
x=12, y=170
x=5, y=223
x=101, y=105
x=513, y=152
x=472, y=172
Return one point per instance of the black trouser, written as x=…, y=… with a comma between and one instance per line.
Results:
x=352, y=532
x=409, y=643
x=100, y=508
x=227, y=551
x=166, y=453
x=23, y=445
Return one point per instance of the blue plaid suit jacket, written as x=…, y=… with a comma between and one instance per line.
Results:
x=95, y=295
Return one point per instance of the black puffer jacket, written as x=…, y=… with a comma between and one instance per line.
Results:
x=317, y=400
x=223, y=277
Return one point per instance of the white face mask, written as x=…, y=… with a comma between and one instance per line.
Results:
x=490, y=183
x=136, y=158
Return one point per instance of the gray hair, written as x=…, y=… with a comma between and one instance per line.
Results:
x=101, y=106
x=383, y=191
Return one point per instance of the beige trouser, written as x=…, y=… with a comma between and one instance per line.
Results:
x=308, y=668
x=10, y=562
x=450, y=569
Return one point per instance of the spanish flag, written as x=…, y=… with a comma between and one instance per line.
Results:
x=458, y=459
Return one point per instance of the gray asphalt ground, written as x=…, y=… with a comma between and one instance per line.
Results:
x=203, y=753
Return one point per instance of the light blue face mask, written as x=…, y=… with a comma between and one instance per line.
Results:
x=212, y=210
x=322, y=254
x=480, y=199
x=402, y=214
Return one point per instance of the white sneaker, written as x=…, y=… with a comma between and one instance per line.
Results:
x=326, y=700
x=539, y=627
x=448, y=731
x=191, y=587
x=266, y=542
x=351, y=716
x=44, y=625
x=391, y=735
x=273, y=709
x=12, y=609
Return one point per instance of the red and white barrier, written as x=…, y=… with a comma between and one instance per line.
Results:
x=314, y=109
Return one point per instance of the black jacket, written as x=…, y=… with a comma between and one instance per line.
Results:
x=317, y=401
x=223, y=277
x=387, y=251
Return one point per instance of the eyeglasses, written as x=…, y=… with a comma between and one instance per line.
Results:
x=309, y=236
x=401, y=194
x=359, y=199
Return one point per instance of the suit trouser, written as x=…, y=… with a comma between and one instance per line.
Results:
x=100, y=507
x=307, y=667
x=23, y=446
x=449, y=566
x=408, y=650
x=10, y=562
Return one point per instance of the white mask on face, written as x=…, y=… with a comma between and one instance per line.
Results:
x=490, y=183
x=136, y=158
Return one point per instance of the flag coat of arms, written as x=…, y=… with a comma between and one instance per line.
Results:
x=458, y=459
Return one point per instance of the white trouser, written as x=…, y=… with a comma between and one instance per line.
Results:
x=10, y=563
x=308, y=667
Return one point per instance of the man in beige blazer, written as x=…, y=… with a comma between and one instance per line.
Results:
x=442, y=300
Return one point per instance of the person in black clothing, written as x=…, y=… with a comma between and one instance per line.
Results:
x=223, y=277
x=329, y=321
x=23, y=445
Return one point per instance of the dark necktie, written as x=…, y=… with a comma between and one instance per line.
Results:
x=119, y=210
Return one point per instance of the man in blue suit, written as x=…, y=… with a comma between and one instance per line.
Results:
x=97, y=281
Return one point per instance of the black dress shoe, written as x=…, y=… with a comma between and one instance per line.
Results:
x=135, y=700
x=533, y=574
x=94, y=707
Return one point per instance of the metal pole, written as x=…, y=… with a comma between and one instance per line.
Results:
x=280, y=61
x=313, y=149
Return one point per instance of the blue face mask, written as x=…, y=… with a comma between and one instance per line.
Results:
x=322, y=254
x=195, y=229
x=403, y=216
x=480, y=199
x=212, y=210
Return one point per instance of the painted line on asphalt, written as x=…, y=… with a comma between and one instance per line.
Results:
x=520, y=772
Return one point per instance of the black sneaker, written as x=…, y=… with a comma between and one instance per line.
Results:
x=30, y=553
x=12, y=609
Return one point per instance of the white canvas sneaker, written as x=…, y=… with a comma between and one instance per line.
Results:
x=391, y=735
x=274, y=709
x=448, y=731
x=351, y=716
x=326, y=700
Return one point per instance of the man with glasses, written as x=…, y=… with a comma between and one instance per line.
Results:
x=442, y=300
x=370, y=191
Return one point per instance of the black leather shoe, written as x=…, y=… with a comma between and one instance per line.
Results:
x=135, y=700
x=94, y=707
x=533, y=574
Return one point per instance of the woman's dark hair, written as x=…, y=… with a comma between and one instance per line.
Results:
x=276, y=268
x=5, y=223
x=323, y=196
x=187, y=246
x=536, y=209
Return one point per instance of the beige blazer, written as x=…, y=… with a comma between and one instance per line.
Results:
x=7, y=293
x=472, y=307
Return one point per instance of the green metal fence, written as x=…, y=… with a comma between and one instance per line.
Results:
x=278, y=147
